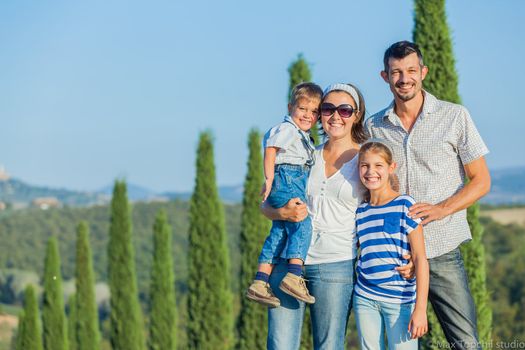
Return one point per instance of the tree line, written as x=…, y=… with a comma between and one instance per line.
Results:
x=210, y=314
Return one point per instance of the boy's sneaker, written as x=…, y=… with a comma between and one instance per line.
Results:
x=261, y=292
x=296, y=287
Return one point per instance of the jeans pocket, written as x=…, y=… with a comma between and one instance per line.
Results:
x=450, y=263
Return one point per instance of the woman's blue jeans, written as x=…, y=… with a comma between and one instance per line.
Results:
x=332, y=285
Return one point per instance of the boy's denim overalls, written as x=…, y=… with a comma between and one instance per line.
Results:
x=288, y=239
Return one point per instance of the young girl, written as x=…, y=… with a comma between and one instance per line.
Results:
x=383, y=300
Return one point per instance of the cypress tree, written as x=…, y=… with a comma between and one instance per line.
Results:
x=72, y=323
x=252, y=322
x=474, y=255
x=126, y=330
x=29, y=334
x=210, y=318
x=85, y=308
x=299, y=72
x=53, y=315
x=19, y=341
x=163, y=325
x=432, y=35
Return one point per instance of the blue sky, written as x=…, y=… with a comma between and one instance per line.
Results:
x=94, y=90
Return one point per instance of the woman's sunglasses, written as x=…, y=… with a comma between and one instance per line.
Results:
x=344, y=110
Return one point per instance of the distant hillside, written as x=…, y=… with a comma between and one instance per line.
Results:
x=508, y=186
x=21, y=194
x=24, y=234
x=228, y=194
x=135, y=192
x=505, y=215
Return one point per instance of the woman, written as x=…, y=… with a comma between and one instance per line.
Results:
x=334, y=192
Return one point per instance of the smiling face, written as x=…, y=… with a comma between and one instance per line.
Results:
x=405, y=76
x=374, y=170
x=334, y=125
x=305, y=112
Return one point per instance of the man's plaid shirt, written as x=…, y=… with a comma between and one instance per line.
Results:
x=430, y=162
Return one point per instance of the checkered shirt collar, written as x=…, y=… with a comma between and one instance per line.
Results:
x=430, y=103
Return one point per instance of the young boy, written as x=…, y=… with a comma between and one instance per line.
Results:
x=288, y=156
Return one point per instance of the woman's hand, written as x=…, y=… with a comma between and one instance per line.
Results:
x=407, y=271
x=295, y=211
x=418, y=325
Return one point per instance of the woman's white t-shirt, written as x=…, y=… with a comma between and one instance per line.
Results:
x=332, y=203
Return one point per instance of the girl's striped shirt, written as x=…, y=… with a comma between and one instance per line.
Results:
x=383, y=239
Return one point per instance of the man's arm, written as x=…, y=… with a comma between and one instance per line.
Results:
x=478, y=186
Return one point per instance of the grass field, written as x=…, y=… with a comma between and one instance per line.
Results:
x=7, y=324
x=506, y=216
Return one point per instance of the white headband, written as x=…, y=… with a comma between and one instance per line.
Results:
x=343, y=87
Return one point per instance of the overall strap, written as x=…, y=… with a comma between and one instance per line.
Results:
x=307, y=143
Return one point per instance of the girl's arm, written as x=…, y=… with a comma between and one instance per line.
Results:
x=418, y=321
x=269, y=169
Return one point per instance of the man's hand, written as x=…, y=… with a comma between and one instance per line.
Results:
x=427, y=212
x=478, y=186
x=407, y=271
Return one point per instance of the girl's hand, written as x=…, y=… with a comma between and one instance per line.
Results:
x=418, y=325
x=266, y=188
x=407, y=271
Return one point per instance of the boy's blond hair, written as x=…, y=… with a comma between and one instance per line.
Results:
x=305, y=90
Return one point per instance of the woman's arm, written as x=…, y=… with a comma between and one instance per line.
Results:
x=418, y=321
x=295, y=210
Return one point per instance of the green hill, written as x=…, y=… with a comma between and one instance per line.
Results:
x=24, y=234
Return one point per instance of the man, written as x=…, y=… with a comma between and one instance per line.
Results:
x=435, y=145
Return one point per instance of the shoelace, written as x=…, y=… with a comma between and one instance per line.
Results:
x=269, y=290
x=303, y=284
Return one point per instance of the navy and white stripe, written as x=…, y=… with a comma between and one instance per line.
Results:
x=383, y=238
